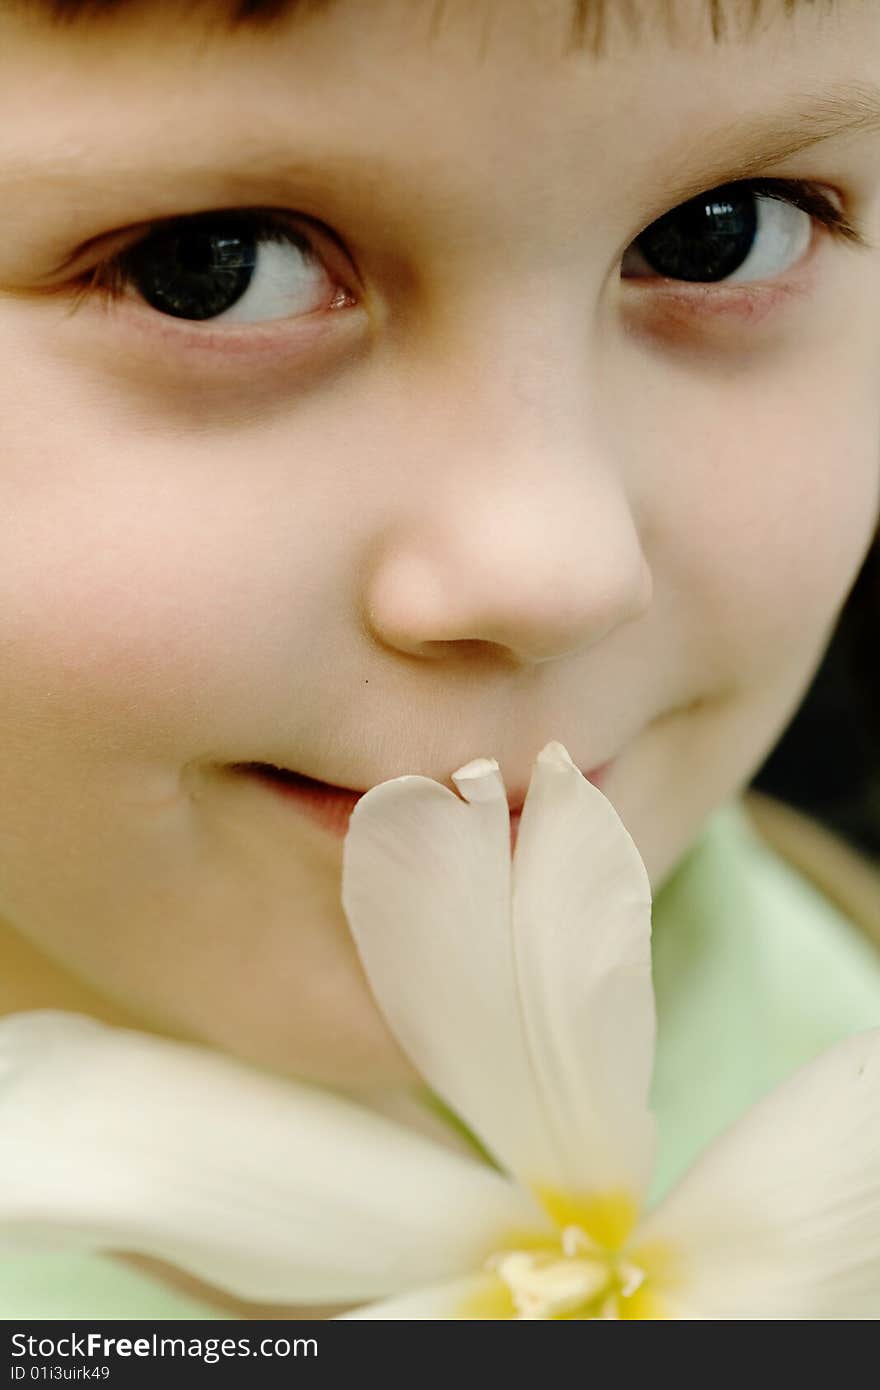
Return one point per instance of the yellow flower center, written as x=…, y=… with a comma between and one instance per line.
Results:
x=579, y=1280
x=588, y=1272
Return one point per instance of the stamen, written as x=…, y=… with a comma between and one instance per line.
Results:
x=575, y=1240
x=543, y=1286
x=633, y=1278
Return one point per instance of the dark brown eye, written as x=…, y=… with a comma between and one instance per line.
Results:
x=245, y=267
x=734, y=232
x=193, y=270
x=705, y=239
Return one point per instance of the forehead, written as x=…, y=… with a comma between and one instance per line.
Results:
x=412, y=108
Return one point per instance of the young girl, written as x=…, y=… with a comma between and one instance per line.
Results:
x=390, y=386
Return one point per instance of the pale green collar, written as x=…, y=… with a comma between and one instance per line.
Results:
x=755, y=972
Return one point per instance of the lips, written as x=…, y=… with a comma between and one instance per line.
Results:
x=331, y=806
x=284, y=777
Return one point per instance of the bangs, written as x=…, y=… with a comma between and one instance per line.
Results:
x=589, y=18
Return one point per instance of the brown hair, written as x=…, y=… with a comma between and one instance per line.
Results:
x=588, y=17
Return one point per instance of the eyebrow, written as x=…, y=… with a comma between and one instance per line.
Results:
x=742, y=150
x=752, y=146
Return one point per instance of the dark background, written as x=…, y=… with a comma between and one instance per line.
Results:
x=827, y=764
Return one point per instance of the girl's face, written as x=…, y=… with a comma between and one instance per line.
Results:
x=454, y=469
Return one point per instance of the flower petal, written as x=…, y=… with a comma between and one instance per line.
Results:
x=780, y=1217
x=582, y=924
x=426, y=889
x=482, y=1298
x=525, y=999
x=269, y=1189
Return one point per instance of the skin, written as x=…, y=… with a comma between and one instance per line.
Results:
x=502, y=497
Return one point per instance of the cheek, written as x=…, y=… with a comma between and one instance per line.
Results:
x=769, y=521
x=138, y=612
x=102, y=621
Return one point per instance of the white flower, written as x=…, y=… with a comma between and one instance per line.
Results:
x=522, y=992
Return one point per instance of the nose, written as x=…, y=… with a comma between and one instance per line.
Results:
x=531, y=547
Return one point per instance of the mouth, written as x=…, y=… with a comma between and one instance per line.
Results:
x=331, y=807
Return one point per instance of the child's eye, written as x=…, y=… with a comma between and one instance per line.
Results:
x=238, y=266
x=737, y=233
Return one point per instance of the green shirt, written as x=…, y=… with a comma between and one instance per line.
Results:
x=755, y=973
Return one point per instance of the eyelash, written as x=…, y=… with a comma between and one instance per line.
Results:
x=803, y=194
x=109, y=279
